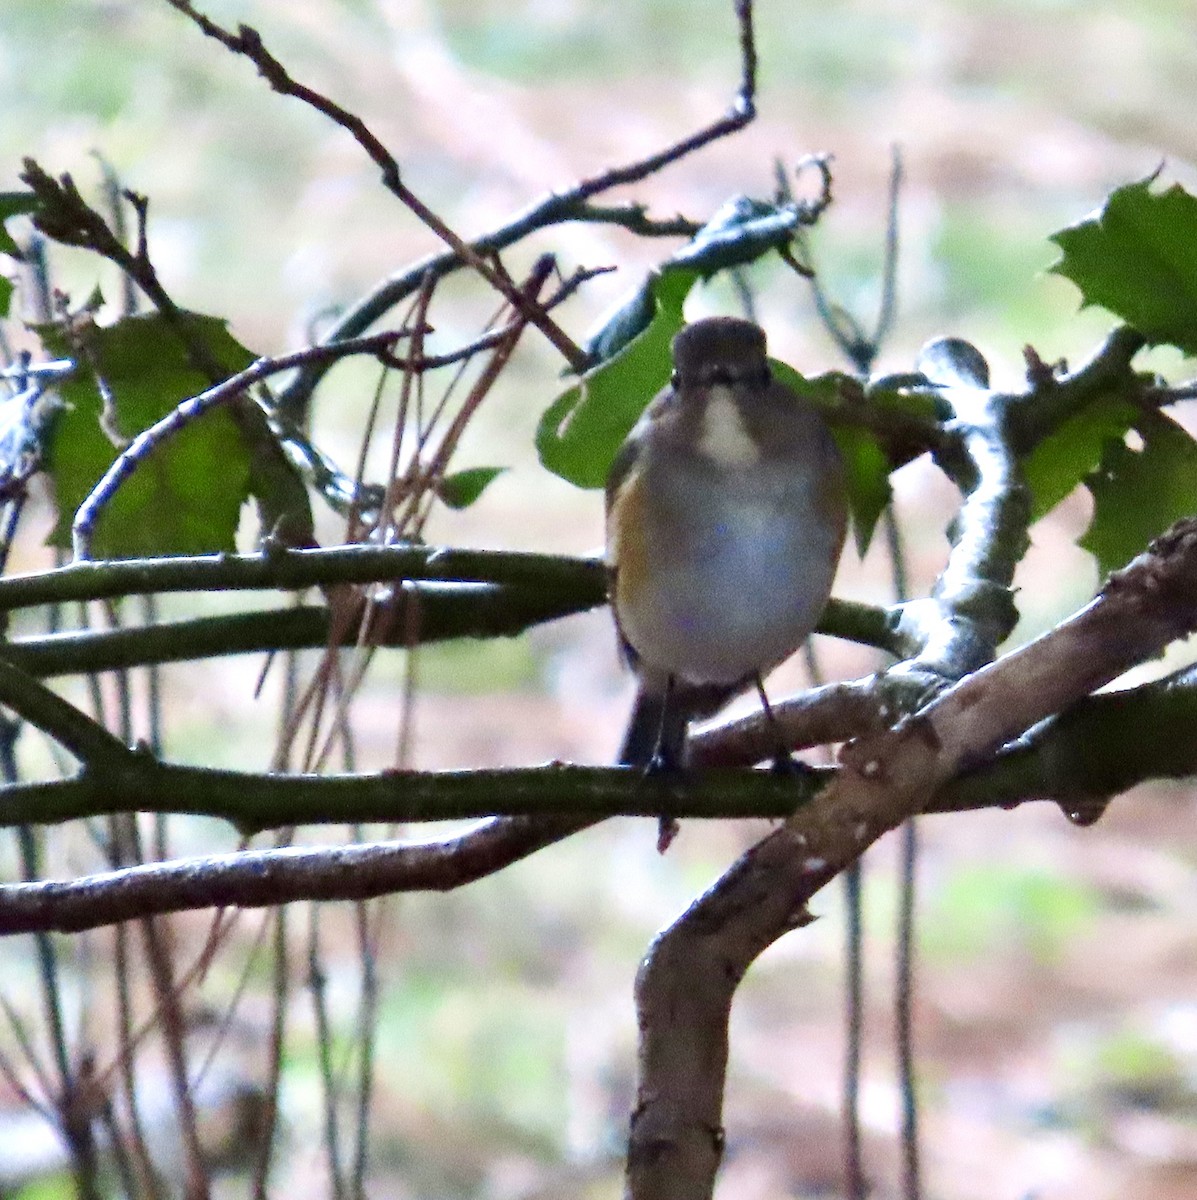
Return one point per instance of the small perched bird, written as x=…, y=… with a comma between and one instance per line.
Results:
x=726, y=515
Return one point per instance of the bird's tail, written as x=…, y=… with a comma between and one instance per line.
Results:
x=660, y=720
x=656, y=728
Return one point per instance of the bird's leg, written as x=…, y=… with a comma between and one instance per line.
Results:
x=666, y=760
x=784, y=762
x=667, y=750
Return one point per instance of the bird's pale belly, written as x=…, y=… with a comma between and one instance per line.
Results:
x=728, y=598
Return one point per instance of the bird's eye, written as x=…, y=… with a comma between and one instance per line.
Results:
x=674, y=379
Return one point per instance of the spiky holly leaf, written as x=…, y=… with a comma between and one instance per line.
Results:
x=1139, y=491
x=1137, y=258
x=1070, y=453
x=186, y=496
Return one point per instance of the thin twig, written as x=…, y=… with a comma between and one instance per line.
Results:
x=571, y=204
x=88, y=740
x=904, y=960
x=329, y=1092
x=248, y=42
x=279, y=996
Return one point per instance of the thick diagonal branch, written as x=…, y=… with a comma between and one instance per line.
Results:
x=686, y=985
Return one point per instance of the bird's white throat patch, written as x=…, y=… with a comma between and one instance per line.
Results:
x=725, y=438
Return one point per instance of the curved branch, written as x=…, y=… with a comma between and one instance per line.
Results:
x=821, y=716
x=1050, y=400
x=686, y=984
x=971, y=609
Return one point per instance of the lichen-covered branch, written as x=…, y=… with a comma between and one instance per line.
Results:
x=971, y=608
x=687, y=982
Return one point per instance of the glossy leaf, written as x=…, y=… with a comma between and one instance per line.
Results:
x=1138, y=493
x=582, y=429
x=462, y=488
x=11, y=205
x=1137, y=258
x=1069, y=454
x=869, y=491
x=186, y=496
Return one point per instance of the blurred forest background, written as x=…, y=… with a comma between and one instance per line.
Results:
x=1056, y=997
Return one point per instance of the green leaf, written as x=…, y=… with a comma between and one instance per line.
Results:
x=1137, y=258
x=867, y=470
x=462, y=488
x=6, y=290
x=11, y=205
x=1137, y=494
x=579, y=433
x=1068, y=454
x=186, y=496
x=866, y=465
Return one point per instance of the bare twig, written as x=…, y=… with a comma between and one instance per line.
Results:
x=329, y=1088
x=248, y=42
x=89, y=741
x=272, y=877
x=571, y=204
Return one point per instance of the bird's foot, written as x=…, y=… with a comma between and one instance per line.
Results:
x=786, y=766
x=667, y=830
x=664, y=768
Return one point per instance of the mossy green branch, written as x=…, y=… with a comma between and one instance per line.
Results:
x=254, y=802
x=459, y=593
x=278, y=568
x=1101, y=747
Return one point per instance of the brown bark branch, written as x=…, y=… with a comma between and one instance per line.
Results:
x=686, y=985
x=258, y=878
